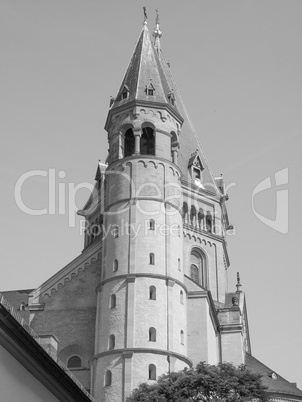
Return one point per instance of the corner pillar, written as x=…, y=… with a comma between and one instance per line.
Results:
x=130, y=311
x=170, y=284
x=127, y=373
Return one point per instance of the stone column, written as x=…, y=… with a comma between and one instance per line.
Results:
x=137, y=137
x=175, y=147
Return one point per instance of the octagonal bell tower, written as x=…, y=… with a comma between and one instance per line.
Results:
x=141, y=309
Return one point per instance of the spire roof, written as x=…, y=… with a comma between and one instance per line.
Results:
x=144, y=72
x=148, y=69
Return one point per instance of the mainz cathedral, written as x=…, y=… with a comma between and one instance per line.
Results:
x=148, y=294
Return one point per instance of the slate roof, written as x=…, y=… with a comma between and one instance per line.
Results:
x=148, y=65
x=144, y=68
x=277, y=386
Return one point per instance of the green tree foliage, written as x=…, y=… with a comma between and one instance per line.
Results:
x=221, y=383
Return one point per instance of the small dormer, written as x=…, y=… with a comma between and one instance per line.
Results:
x=196, y=168
x=125, y=92
x=150, y=89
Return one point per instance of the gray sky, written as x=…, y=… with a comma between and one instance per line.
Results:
x=238, y=66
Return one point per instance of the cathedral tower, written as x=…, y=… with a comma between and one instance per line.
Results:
x=141, y=308
x=164, y=255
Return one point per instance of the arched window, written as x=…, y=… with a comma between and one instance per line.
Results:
x=152, y=372
x=111, y=343
x=108, y=378
x=147, y=141
x=129, y=143
x=112, y=301
x=151, y=259
x=181, y=296
x=152, y=293
x=182, y=337
x=151, y=224
x=193, y=215
x=179, y=266
x=152, y=334
x=115, y=265
x=198, y=267
x=200, y=218
x=185, y=210
x=74, y=362
x=209, y=222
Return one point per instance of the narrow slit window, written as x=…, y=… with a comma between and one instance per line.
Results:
x=111, y=342
x=112, y=301
x=152, y=372
x=115, y=265
x=151, y=259
x=151, y=224
x=152, y=334
x=108, y=378
x=179, y=266
x=152, y=293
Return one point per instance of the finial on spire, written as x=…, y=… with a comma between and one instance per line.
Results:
x=157, y=32
x=239, y=286
x=145, y=15
x=157, y=16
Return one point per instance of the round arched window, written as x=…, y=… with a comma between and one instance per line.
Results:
x=198, y=267
x=74, y=362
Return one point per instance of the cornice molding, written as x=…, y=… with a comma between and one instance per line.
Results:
x=129, y=106
x=166, y=278
x=142, y=350
x=81, y=263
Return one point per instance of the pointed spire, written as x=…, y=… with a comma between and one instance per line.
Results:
x=145, y=79
x=157, y=33
x=148, y=70
x=239, y=286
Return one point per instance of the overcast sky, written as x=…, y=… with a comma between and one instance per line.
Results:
x=238, y=67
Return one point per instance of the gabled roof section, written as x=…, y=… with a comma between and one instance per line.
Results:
x=144, y=70
x=195, y=160
x=275, y=383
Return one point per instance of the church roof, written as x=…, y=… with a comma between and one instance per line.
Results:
x=144, y=72
x=148, y=68
x=275, y=383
